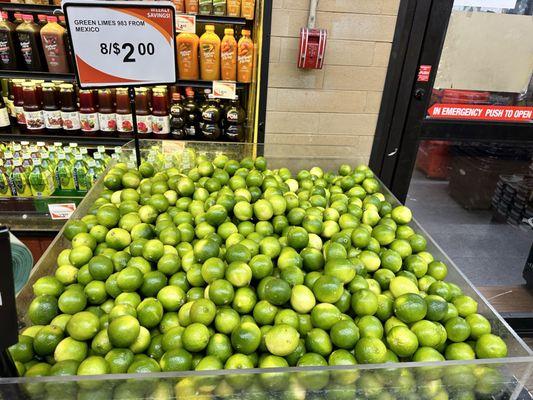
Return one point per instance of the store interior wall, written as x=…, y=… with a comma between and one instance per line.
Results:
x=339, y=104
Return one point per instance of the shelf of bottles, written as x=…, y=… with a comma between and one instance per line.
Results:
x=37, y=53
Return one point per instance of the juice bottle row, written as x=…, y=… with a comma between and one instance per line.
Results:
x=230, y=8
x=209, y=58
x=31, y=46
x=37, y=170
x=58, y=107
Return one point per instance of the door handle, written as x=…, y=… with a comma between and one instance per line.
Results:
x=419, y=94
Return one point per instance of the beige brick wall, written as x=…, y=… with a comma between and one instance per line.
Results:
x=338, y=104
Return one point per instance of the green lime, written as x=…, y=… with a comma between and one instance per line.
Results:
x=171, y=297
x=119, y=360
x=226, y=320
x=401, y=215
x=101, y=267
x=457, y=329
x=47, y=339
x=195, y=337
x=276, y=291
x=410, y=307
x=479, y=325
x=221, y=292
x=83, y=325
x=318, y=341
x=328, y=289
x=73, y=227
x=401, y=285
x=176, y=360
x=465, y=305
x=427, y=332
x=302, y=299
x=344, y=334
x=43, y=309
x=123, y=331
x=402, y=341
x=150, y=312
x=490, y=346
x=370, y=326
x=22, y=351
x=70, y=349
x=246, y=338
x=438, y=270
x=370, y=351
x=80, y=256
x=325, y=315
x=459, y=351
x=364, y=302
x=48, y=285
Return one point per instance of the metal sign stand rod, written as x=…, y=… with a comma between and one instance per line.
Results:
x=131, y=92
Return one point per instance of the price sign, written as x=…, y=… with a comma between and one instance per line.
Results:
x=61, y=211
x=122, y=43
x=185, y=23
x=224, y=90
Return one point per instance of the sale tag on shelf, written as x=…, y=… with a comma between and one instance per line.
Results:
x=481, y=113
x=185, y=23
x=224, y=90
x=122, y=43
x=61, y=211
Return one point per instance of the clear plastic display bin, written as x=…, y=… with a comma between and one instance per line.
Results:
x=506, y=378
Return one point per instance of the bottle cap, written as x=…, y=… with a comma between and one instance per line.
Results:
x=73, y=145
x=41, y=144
x=57, y=144
x=45, y=155
x=16, y=146
x=17, y=162
x=51, y=18
x=229, y=31
x=83, y=150
x=62, y=18
x=210, y=28
x=4, y=15
x=36, y=162
x=91, y=163
x=26, y=156
x=245, y=32
x=27, y=17
x=97, y=156
x=18, y=15
x=41, y=17
x=101, y=149
x=176, y=96
x=48, y=86
x=24, y=143
x=8, y=154
x=68, y=150
x=61, y=156
x=78, y=157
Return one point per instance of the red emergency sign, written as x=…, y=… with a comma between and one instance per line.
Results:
x=481, y=112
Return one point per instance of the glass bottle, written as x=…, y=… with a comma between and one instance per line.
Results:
x=4, y=115
x=41, y=20
x=30, y=44
x=210, y=54
x=123, y=111
x=187, y=48
x=245, y=57
x=79, y=172
x=18, y=101
x=51, y=111
x=10, y=100
x=74, y=148
x=88, y=112
x=211, y=117
x=46, y=163
x=18, y=19
x=92, y=173
x=228, y=56
x=41, y=180
x=52, y=36
x=8, y=40
x=100, y=163
x=106, y=111
x=192, y=117
x=33, y=114
x=160, y=117
x=19, y=180
x=68, y=155
x=63, y=172
x=177, y=117
x=106, y=157
x=142, y=107
x=69, y=110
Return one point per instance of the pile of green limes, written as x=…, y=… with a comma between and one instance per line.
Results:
x=231, y=265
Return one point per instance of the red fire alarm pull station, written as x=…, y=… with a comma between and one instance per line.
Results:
x=312, y=42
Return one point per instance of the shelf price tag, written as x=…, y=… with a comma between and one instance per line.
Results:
x=122, y=43
x=224, y=90
x=185, y=23
x=61, y=211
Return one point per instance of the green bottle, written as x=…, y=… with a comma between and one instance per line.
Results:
x=19, y=180
x=5, y=190
x=8, y=162
x=92, y=172
x=100, y=163
x=63, y=171
x=41, y=181
x=74, y=148
x=68, y=155
x=79, y=171
x=106, y=157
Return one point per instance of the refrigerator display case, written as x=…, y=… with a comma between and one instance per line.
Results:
x=506, y=378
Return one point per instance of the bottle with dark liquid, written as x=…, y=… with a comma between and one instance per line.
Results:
x=88, y=113
x=28, y=34
x=18, y=101
x=142, y=108
x=51, y=111
x=211, y=117
x=234, y=118
x=69, y=110
x=177, y=118
x=32, y=108
x=192, y=118
x=8, y=40
x=52, y=36
x=41, y=20
x=106, y=111
x=160, y=117
x=123, y=111
x=4, y=115
x=18, y=19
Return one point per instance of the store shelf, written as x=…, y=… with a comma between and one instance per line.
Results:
x=49, y=76
x=206, y=84
x=213, y=19
x=14, y=133
x=32, y=8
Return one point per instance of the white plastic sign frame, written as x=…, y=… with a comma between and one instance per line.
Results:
x=122, y=43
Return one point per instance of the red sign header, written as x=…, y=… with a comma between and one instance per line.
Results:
x=481, y=113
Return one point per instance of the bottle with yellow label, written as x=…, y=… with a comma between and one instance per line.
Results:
x=64, y=176
x=5, y=190
x=210, y=54
x=40, y=180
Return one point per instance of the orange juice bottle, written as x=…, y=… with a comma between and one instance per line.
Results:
x=187, y=48
x=191, y=6
x=245, y=57
x=210, y=54
x=228, y=56
x=247, y=9
x=180, y=6
x=233, y=8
